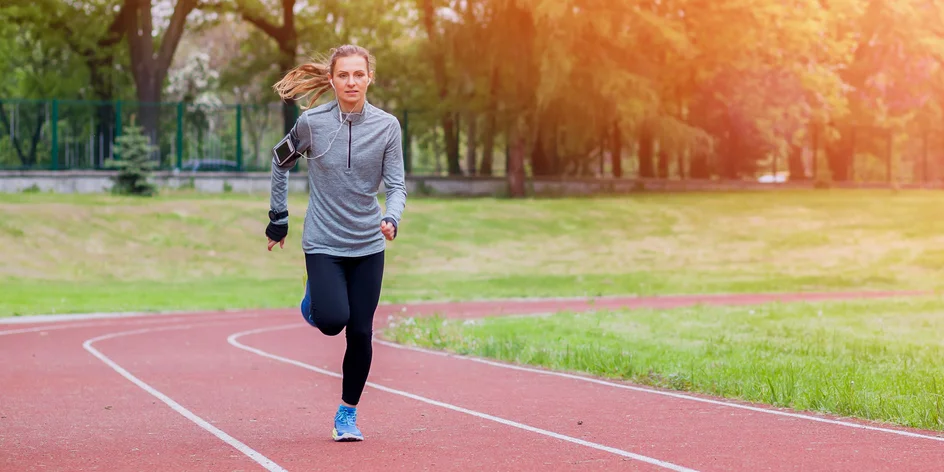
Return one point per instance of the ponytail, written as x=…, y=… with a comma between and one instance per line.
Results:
x=303, y=80
x=315, y=77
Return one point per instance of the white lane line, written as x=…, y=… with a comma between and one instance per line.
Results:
x=92, y=325
x=52, y=319
x=233, y=339
x=660, y=392
x=246, y=450
x=86, y=316
x=49, y=328
x=120, y=323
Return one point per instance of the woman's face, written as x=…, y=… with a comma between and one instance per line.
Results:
x=351, y=78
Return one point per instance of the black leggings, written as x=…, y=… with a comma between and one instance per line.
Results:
x=345, y=292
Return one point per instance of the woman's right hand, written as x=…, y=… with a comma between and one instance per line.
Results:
x=276, y=234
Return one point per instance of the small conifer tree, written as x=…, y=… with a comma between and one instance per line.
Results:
x=134, y=164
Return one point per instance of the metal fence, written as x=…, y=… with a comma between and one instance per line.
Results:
x=73, y=134
x=80, y=134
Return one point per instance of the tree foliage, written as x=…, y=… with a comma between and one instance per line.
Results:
x=567, y=87
x=134, y=165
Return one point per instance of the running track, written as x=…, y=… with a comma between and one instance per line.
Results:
x=256, y=390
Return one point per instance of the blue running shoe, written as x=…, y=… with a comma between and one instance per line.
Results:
x=345, y=428
x=306, y=305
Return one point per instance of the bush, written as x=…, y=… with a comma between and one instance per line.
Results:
x=134, y=164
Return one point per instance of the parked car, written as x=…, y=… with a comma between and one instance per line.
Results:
x=209, y=165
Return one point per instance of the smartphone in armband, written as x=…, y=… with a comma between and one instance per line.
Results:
x=284, y=152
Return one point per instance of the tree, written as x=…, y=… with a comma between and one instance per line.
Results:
x=135, y=165
x=149, y=64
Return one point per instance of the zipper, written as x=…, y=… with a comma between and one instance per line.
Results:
x=349, y=139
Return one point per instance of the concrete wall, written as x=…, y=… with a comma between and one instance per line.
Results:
x=100, y=181
x=214, y=182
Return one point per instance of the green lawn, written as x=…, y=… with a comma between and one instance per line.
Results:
x=78, y=253
x=879, y=360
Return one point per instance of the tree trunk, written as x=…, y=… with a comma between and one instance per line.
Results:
x=553, y=149
x=663, y=162
x=540, y=164
x=699, y=167
x=731, y=156
x=289, y=112
x=616, y=150
x=646, y=169
x=150, y=69
x=471, y=142
x=516, y=187
x=488, y=147
x=795, y=164
x=839, y=156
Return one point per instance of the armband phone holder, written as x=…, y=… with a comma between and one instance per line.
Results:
x=284, y=152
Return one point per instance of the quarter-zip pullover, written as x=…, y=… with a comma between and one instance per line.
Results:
x=343, y=216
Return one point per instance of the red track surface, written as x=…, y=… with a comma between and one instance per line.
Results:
x=237, y=391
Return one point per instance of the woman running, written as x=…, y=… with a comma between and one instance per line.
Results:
x=351, y=146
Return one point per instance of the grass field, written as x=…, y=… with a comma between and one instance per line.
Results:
x=875, y=360
x=79, y=253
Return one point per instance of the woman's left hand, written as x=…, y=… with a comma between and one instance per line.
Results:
x=388, y=230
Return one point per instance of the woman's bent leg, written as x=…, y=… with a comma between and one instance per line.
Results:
x=326, y=293
x=365, y=277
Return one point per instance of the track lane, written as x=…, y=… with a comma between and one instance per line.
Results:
x=286, y=415
x=63, y=409
x=49, y=388
x=698, y=435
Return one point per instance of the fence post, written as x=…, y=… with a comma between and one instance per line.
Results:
x=239, y=137
x=407, y=147
x=180, y=134
x=55, y=134
x=117, y=126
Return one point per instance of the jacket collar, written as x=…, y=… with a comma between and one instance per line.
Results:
x=358, y=117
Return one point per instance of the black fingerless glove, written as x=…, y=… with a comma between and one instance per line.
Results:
x=276, y=232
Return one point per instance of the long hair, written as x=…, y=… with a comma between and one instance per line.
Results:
x=315, y=77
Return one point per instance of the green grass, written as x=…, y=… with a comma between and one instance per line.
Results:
x=74, y=253
x=878, y=360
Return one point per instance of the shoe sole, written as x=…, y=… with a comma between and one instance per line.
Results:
x=346, y=437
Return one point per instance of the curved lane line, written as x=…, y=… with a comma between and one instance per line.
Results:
x=256, y=456
x=233, y=339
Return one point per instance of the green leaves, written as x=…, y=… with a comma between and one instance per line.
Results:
x=749, y=78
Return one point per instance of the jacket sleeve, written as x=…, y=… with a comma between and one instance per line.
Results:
x=394, y=174
x=278, y=197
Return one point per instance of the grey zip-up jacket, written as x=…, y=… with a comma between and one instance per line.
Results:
x=344, y=215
